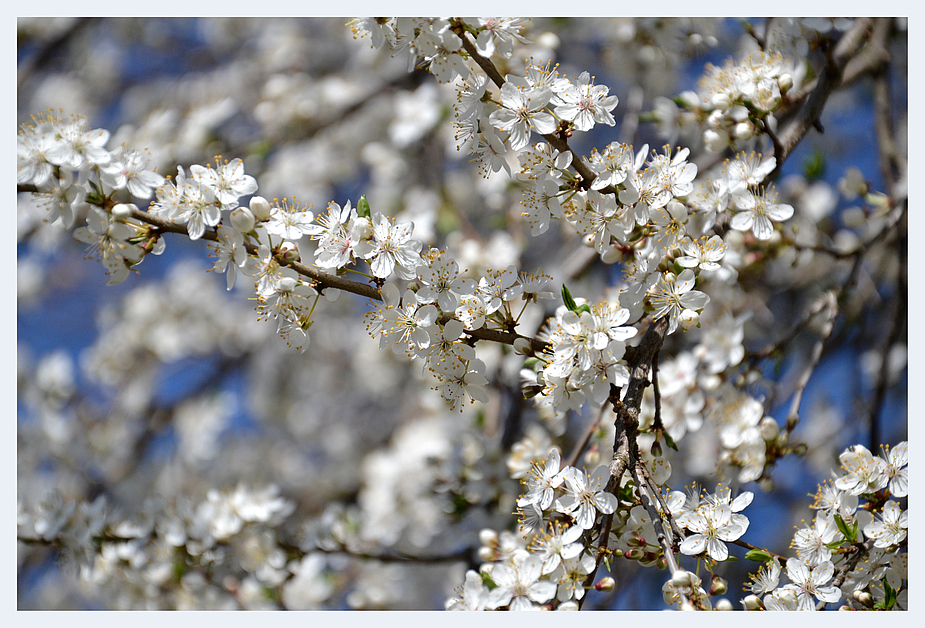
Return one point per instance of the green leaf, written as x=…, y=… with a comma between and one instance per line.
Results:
x=568, y=300
x=814, y=166
x=851, y=534
x=669, y=441
x=890, y=592
x=758, y=555
x=363, y=209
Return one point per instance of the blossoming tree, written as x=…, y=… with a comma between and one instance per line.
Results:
x=479, y=345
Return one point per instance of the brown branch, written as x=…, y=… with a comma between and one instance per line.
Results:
x=586, y=174
x=829, y=79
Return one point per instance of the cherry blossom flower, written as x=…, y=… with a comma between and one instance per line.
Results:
x=891, y=528
x=542, y=482
x=391, y=248
x=897, y=470
x=673, y=294
x=522, y=111
x=810, y=542
x=864, y=472
x=713, y=524
x=585, y=104
x=757, y=210
x=811, y=583
x=585, y=496
x=519, y=585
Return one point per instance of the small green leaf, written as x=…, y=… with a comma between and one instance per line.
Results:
x=568, y=300
x=363, y=209
x=758, y=555
x=851, y=534
x=890, y=599
x=669, y=441
x=584, y=307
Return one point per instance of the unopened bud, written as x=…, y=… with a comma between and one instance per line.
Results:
x=723, y=605
x=522, y=346
x=661, y=563
x=768, y=428
x=635, y=554
x=287, y=284
x=290, y=251
x=784, y=82
x=488, y=537
x=681, y=578
x=766, y=484
x=656, y=449
x=605, y=584
x=486, y=554
x=751, y=603
x=718, y=586
x=260, y=207
x=122, y=211
x=612, y=255
x=743, y=131
x=864, y=598
x=689, y=318
x=571, y=605
x=690, y=99
x=715, y=141
x=801, y=449
x=242, y=219
x=687, y=606
x=720, y=101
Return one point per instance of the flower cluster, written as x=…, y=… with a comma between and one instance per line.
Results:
x=548, y=560
x=880, y=578
x=735, y=101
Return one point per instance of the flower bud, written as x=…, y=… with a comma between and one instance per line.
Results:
x=718, y=586
x=784, y=82
x=635, y=554
x=743, y=131
x=260, y=207
x=690, y=99
x=571, y=605
x=766, y=484
x=715, y=141
x=122, y=211
x=522, y=346
x=720, y=101
x=605, y=584
x=486, y=554
x=688, y=319
x=488, y=537
x=290, y=251
x=681, y=578
x=751, y=603
x=864, y=598
x=723, y=605
x=287, y=284
x=242, y=219
x=768, y=428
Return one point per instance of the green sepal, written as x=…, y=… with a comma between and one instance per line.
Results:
x=758, y=555
x=568, y=300
x=363, y=209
